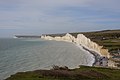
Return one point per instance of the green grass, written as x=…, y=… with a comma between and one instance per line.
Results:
x=82, y=73
x=111, y=44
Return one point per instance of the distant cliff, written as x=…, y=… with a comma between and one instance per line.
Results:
x=80, y=40
x=26, y=36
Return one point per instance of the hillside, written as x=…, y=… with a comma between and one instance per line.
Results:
x=82, y=73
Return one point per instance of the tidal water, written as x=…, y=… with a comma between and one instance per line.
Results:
x=18, y=55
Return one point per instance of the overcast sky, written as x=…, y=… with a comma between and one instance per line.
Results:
x=35, y=17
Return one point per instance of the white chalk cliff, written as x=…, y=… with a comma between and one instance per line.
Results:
x=80, y=40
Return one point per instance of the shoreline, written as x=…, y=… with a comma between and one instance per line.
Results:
x=101, y=55
x=98, y=59
x=97, y=56
x=88, y=53
x=75, y=45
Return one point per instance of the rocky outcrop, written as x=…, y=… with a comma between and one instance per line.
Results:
x=80, y=40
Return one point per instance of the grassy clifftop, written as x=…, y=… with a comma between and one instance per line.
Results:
x=82, y=73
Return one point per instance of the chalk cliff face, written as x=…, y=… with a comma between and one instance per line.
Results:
x=81, y=40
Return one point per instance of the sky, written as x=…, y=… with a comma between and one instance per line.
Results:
x=36, y=17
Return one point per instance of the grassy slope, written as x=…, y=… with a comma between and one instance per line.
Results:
x=82, y=73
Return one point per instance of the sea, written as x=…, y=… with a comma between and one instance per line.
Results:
x=20, y=55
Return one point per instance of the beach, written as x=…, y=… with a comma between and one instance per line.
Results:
x=100, y=55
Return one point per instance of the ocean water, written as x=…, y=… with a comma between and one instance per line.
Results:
x=18, y=55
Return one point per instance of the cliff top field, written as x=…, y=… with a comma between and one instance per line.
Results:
x=82, y=73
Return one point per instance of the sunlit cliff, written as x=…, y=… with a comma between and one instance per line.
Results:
x=80, y=40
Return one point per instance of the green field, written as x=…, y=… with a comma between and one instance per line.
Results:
x=82, y=73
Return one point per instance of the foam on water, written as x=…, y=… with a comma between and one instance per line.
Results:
x=18, y=55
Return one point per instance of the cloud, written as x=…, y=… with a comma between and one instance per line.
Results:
x=59, y=15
